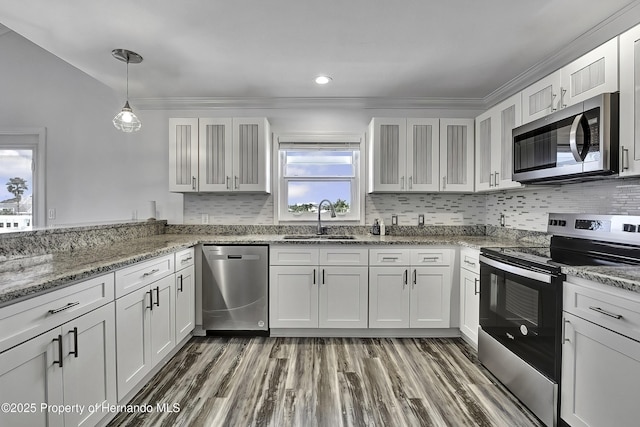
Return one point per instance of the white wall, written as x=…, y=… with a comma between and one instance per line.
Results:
x=94, y=173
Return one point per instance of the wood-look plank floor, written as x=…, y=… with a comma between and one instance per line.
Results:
x=329, y=382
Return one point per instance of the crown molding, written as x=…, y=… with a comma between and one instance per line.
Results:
x=203, y=103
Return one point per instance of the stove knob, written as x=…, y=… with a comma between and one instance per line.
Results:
x=630, y=228
x=562, y=223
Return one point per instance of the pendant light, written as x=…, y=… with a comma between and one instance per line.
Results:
x=125, y=120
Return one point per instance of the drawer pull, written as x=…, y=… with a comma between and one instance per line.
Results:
x=606, y=313
x=66, y=307
x=389, y=258
x=60, y=356
x=149, y=273
x=183, y=260
x=74, y=331
x=476, y=290
x=430, y=258
x=469, y=262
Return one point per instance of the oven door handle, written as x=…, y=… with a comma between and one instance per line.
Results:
x=519, y=271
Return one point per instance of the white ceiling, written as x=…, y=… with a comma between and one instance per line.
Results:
x=403, y=49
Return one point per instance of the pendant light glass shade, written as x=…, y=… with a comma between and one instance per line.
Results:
x=126, y=120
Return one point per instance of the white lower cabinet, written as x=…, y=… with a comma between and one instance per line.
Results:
x=413, y=295
x=73, y=364
x=470, y=294
x=145, y=331
x=600, y=365
x=318, y=288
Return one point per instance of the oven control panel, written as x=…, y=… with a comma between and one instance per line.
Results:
x=615, y=228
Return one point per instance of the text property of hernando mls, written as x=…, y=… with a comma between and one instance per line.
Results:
x=103, y=407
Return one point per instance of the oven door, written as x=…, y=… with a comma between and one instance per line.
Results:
x=520, y=308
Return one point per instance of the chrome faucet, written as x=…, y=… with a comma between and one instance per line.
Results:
x=321, y=229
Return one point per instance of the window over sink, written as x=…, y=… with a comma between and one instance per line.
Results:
x=314, y=168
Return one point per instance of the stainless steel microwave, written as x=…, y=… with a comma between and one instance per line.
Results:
x=577, y=142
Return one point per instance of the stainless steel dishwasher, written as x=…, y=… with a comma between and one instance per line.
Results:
x=235, y=288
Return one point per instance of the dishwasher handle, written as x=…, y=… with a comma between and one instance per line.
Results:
x=234, y=256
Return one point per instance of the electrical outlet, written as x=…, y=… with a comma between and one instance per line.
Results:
x=205, y=218
x=421, y=219
x=51, y=214
x=394, y=219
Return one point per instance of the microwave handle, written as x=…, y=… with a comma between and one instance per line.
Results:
x=573, y=143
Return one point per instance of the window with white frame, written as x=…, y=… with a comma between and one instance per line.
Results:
x=310, y=172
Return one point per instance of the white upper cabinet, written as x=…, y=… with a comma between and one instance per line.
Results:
x=594, y=73
x=541, y=98
x=456, y=155
x=630, y=102
x=219, y=155
x=403, y=155
x=494, y=145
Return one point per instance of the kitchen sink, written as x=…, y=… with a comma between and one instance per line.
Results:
x=318, y=236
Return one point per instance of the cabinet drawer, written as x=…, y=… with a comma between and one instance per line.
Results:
x=602, y=305
x=24, y=320
x=140, y=274
x=344, y=256
x=381, y=257
x=184, y=258
x=293, y=255
x=469, y=260
x=431, y=257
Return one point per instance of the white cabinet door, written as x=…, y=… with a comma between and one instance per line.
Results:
x=541, y=98
x=469, y=304
x=293, y=297
x=388, y=297
x=592, y=74
x=29, y=374
x=163, y=327
x=630, y=102
x=456, y=155
x=485, y=128
x=215, y=155
x=343, y=297
x=133, y=339
x=430, y=297
x=600, y=376
x=185, y=303
x=423, y=155
x=89, y=370
x=508, y=116
x=387, y=154
x=251, y=155
x=183, y=155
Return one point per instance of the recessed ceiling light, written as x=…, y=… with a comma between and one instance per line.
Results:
x=323, y=80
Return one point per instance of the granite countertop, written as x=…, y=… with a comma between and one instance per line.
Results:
x=23, y=277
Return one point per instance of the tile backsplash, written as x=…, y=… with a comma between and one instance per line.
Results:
x=524, y=209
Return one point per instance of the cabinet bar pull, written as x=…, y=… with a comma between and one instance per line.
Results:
x=193, y=183
x=553, y=98
x=323, y=276
x=562, y=92
x=66, y=307
x=606, y=313
x=74, y=331
x=496, y=181
x=410, y=183
x=444, y=182
x=60, y=356
x=402, y=183
x=228, y=188
x=415, y=276
x=469, y=262
x=429, y=258
x=150, y=300
x=149, y=273
x=625, y=165
x=389, y=258
x=183, y=260
x=490, y=180
x=406, y=277
x=157, y=303
x=235, y=183
x=314, y=276
x=180, y=288
x=564, y=337
x=476, y=291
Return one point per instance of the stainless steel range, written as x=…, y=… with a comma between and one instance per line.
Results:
x=519, y=339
